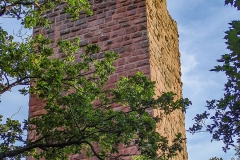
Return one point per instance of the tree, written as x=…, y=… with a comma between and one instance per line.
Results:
x=79, y=115
x=226, y=119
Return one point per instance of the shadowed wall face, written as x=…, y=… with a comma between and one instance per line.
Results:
x=116, y=25
x=145, y=37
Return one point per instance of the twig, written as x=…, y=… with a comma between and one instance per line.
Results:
x=16, y=112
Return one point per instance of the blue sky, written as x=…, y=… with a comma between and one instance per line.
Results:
x=201, y=25
x=12, y=101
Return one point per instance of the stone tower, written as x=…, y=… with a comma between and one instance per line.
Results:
x=144, y=35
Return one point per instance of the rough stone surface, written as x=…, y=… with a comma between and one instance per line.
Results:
x=165, y=66
x=146, y=38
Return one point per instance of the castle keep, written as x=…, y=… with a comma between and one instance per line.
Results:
x=144, y=35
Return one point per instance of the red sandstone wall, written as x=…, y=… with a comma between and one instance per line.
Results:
x=116, y=25
x=141, y=32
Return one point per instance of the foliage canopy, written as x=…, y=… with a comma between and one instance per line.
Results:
x=78, y=108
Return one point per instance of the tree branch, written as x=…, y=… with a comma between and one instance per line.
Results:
x=6, y=79
x=94, y=152
x=45, y=145
x=10, y=6
x=18, y=82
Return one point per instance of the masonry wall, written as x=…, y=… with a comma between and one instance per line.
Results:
x=145, y=37
x=165, y=67
x=118, y=25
